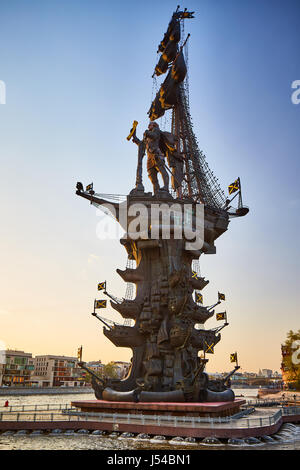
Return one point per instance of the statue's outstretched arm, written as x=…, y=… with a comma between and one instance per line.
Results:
x=136, y=140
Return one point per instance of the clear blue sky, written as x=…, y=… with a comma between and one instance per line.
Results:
x=77, y=73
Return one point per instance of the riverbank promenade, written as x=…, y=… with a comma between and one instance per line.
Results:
x=251, y=422
x=27, y=391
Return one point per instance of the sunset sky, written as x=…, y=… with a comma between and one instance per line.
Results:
x=77, y=74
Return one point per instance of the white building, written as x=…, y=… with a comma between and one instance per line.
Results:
x=57, y=371
x=266, y=372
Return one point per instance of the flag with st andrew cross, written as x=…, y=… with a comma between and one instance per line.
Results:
x=209, y=347
x=221, y=296
x=235, y=186
x=89, y=187
x=102, y=285
x=221, y=316
x=194, y=275
x=199, y=298
x=233, y=357
x=100, y=303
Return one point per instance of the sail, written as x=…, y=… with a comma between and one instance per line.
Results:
x=167, y=96
x=173, y=32
x=162, y=66
x=179, y=69
x=167, y=56
x=169, y=44
x=156, y=111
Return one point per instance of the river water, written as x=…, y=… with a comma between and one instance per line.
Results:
x=92, y=442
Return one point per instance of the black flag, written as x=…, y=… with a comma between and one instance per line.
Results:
x=102, y=285
x=221, y=316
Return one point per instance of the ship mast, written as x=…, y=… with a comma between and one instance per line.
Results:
x=199, y=182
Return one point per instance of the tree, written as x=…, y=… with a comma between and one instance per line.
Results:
x=291, y=359
x=87, y=378
x=110, y=371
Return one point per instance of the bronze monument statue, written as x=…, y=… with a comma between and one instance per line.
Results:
x=167, y=312
x=159, y=145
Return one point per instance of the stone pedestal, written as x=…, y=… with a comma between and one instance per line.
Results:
x=168, y=409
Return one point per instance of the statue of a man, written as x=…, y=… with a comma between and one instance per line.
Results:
x=155, y=157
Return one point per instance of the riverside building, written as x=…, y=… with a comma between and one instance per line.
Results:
x=16, y=368
x=57, y=371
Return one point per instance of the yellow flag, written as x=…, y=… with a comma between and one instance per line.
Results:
x=233, y=187
x=233, y=357
x=79, y=353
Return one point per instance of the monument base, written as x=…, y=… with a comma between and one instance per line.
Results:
x=207, y=409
